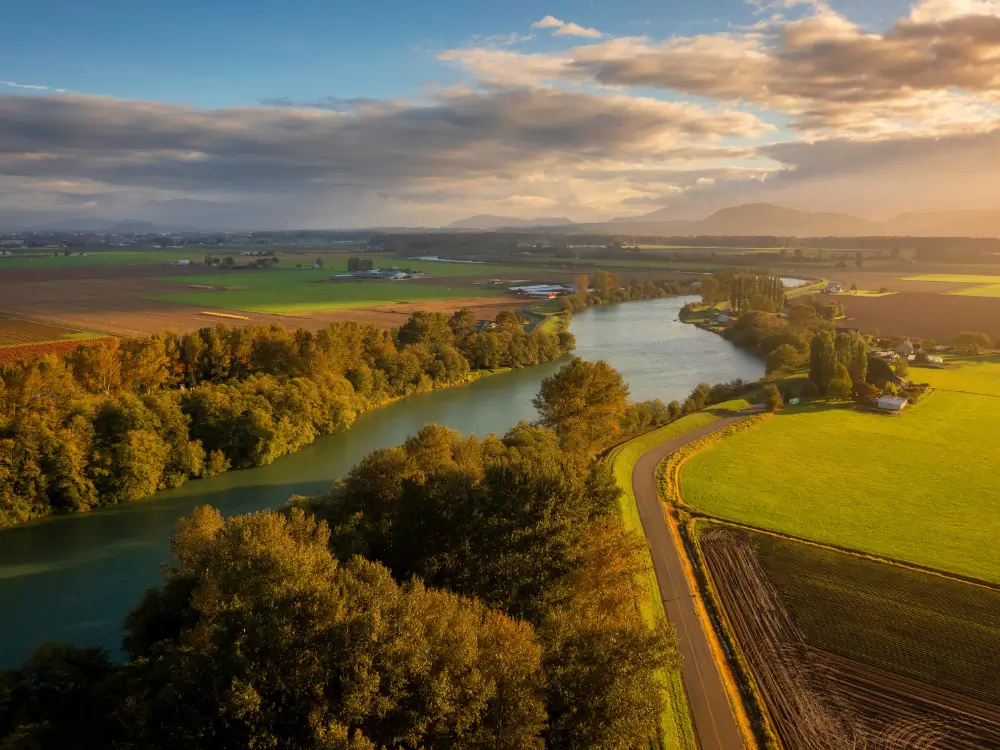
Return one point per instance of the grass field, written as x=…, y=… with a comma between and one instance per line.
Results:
x=956, y=278
x=919, y=487
x=284, y=292
x=989, y=290
x=973, y=375
x=937, y=630
x=102, y=258
x=676, y=724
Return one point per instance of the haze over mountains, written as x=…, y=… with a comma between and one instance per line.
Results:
x=769, y=220
x=749, y=219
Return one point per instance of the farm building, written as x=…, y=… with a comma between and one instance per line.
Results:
x=905, y=349
x=542, y=291
x=833, y=288
x=892, y=403
x=392, y=274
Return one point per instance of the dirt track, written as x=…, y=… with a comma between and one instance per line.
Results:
x=714, y=722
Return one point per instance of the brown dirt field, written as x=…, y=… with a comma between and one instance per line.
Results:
x=20, y=332
x=125, y=271
x=939, y=317
x=28, y=352
x=818, y=701
x=117, y=305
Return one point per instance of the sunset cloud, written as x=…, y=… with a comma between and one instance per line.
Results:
x=562, y=28
x=802, y=107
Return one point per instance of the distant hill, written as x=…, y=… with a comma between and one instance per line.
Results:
x=134, y=226
x=764, y=219
x=487, y=221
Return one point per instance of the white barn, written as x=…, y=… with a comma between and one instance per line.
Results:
x=893, y=403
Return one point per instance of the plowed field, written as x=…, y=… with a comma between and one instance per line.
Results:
x=821, y=701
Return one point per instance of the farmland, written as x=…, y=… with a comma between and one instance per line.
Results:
x=815, y=698
x=974, y=375
x=295, y=292
x=939, y=317
x=989, y=290
x=135, y=300
x=20, y=332
x=927, y=627
x=956, y=278
x=866, y=481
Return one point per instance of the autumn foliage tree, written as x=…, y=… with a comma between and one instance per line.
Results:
x=584, y=403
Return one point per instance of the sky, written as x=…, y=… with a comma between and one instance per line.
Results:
x=388, y=112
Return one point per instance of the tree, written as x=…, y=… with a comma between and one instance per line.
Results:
x=822, y=360
x=772, y=398
x=785, y=357
x=319, y=262
x=432, y=329
x=901, y=368
x=605, y=285
x=462, y=323
x=859, y=259
x=970, y=342
x=258, y=631
x=584, y=403
x=840, y=386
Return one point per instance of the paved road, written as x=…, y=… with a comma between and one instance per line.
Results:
x=714, y=723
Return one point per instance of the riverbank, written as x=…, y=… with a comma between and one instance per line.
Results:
x=73, y=578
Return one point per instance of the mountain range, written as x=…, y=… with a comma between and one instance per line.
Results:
x=765, y=219
x=750, y=219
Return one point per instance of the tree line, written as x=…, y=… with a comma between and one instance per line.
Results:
x=744, y=290
x=119, y=420
x=604, y=288
x=840, y=364
x=449, y=592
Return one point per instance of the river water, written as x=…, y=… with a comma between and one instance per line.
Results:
x=74, y=578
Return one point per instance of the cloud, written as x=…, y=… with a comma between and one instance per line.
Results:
x=540, y=144
x=937, y=68
x=562, y=28
x=32, y=87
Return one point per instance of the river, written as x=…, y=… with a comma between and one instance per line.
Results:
x=74, y=578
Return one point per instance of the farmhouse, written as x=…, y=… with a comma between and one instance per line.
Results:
x=905, y=349
x=892, y=403
x=833, y=288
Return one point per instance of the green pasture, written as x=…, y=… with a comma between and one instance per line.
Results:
x=918, y=487
x=968, y=375
x=100, y=258
x=956, y=278
x=934, y=629
x=284, y=292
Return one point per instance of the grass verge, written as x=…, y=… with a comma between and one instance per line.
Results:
x=676, y=728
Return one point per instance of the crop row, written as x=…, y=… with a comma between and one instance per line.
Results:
x=825, y=701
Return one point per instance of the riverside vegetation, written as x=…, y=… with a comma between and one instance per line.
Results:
x=449, y=592
x=117, y=421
